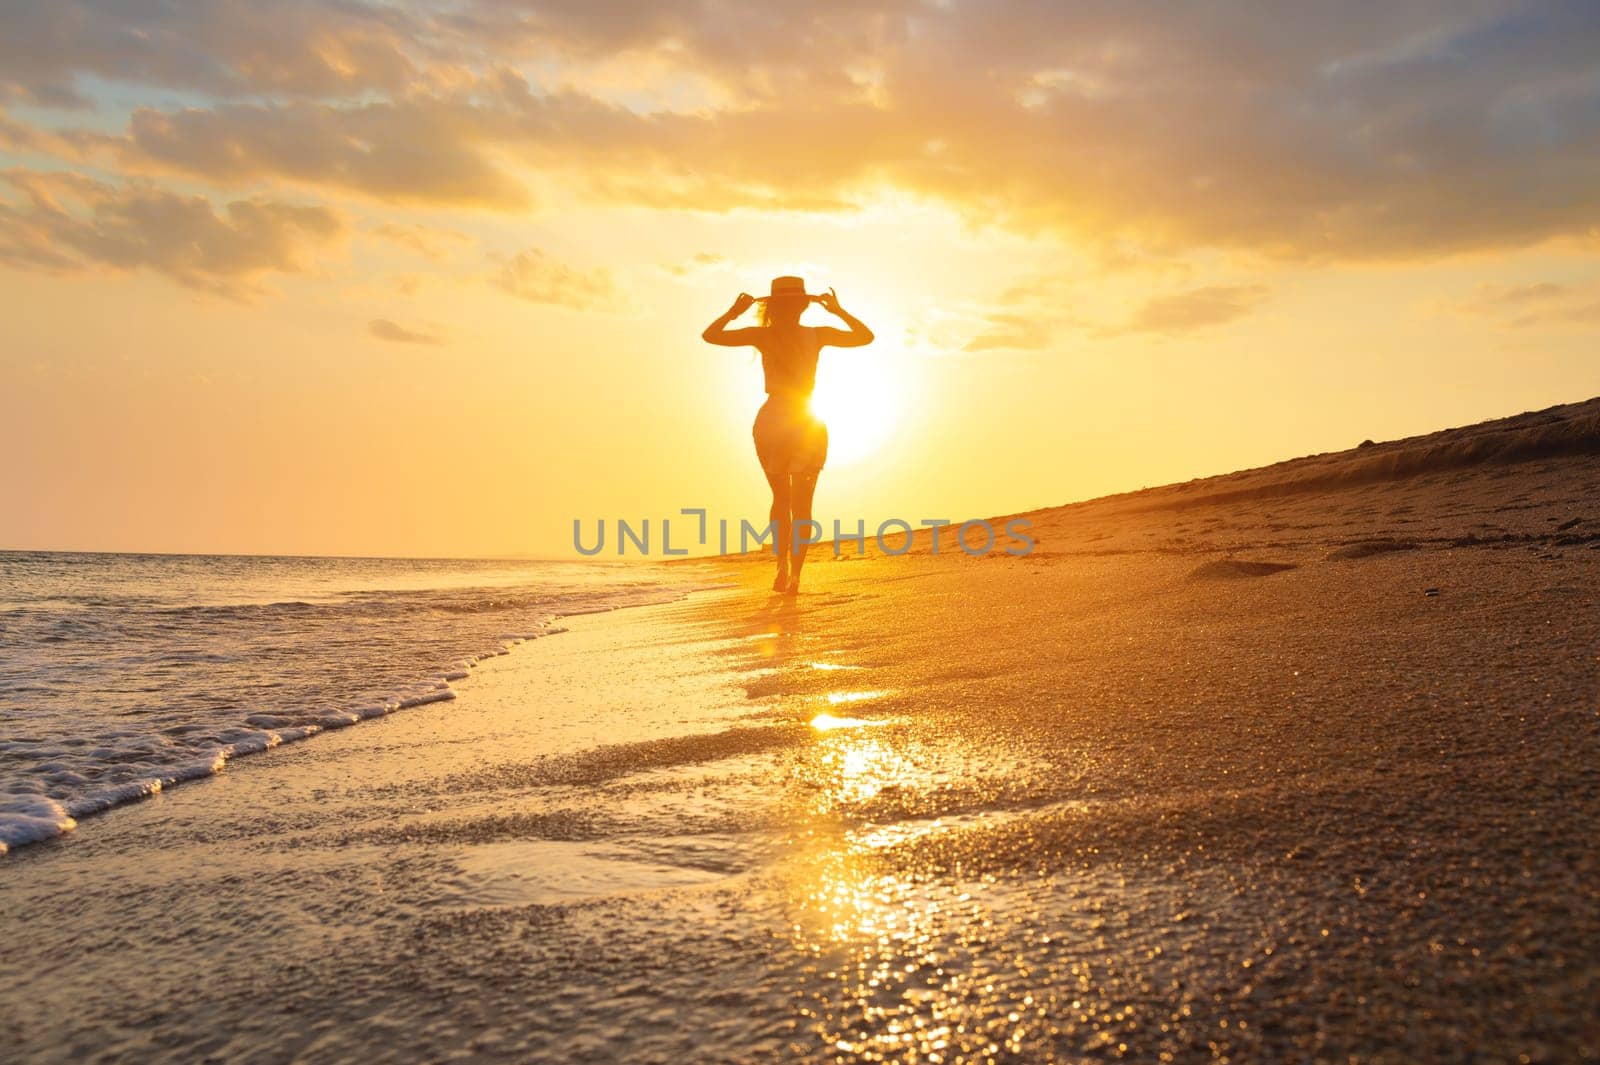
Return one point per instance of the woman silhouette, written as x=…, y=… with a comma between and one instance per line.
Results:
x=791, y=442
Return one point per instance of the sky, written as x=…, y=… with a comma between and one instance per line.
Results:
x=370, y=277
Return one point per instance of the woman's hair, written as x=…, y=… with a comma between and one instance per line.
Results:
x=764, y=313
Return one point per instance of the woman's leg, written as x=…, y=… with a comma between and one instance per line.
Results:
x=780, y=519
x=803, y=487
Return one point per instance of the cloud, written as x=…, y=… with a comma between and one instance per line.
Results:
x=532, y=276
x=384, y=329
x=415, y=151
x=64, y=222
x=1177, y=313
x=1030, y=314
x=1040, y=312
x=699, y=263
x=1418, y=130
x=429, y=242
x=1017, y=332
x=223, y=47
x=1516, y=296
x=1544, y=303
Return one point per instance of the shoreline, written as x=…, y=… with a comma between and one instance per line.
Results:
x=46, y=819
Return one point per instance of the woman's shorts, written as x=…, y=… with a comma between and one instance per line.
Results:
x=789, y=438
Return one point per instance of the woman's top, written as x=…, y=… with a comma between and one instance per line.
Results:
x=789, y=360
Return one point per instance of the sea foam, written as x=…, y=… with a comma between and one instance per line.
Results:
x=131, y=674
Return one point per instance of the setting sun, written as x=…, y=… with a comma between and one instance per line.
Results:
x=861, y=402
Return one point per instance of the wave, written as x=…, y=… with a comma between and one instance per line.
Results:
x=113, y=704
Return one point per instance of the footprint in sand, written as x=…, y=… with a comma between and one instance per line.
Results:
x=1368, y=548
x=1224, y=569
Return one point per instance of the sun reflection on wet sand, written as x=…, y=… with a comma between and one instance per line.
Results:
x=907, y=957
x=893, y=983
x=858, y=767
x=869, y=931
x=910, y=958
x=840, y=698
x=828, y=722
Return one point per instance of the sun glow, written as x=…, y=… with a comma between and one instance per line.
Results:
x=858, y=397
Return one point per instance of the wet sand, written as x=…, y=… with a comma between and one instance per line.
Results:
x=1299, y=764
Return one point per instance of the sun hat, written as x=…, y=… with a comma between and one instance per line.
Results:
x=787, y=286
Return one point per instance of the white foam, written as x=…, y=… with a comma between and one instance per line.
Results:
x=440, y=696
x=113, y=795
x=109, y=766
x=30, y=818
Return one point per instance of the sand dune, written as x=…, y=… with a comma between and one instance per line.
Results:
x=1528, y=480
x=1570, y=429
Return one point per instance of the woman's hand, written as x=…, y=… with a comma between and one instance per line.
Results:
x=719, y=333
x=858, y=334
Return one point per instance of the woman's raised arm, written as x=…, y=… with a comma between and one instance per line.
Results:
x=858, y=336
x=719, y=333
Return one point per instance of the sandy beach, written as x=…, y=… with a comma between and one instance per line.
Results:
x=1297, y=764
x=411, y=410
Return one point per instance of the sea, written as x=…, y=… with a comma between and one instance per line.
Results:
x=123, y=674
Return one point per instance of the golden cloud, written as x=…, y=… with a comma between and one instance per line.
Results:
x=1544, y=303
x=66, y=222
x=533, y=276
x=384, y=329
x=1176, y=313
x=1419, y=130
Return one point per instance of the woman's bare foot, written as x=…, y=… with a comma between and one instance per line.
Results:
x=782, y=583
x=792, y=586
